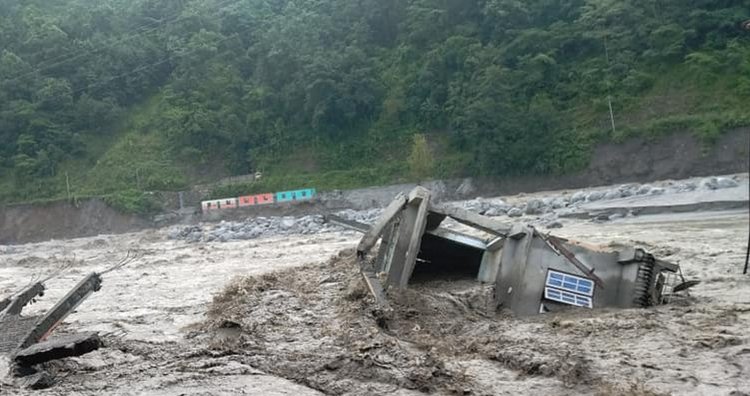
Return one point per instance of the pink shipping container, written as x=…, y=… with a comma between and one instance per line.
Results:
x=247, y=200
x=261, y=199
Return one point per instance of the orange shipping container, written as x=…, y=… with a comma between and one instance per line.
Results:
x=247, y=200
x=264, y=199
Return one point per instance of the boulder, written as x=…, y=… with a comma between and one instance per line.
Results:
x=685, y=187
x=534, y=206
x=710, y=183
x=557, y=203
x=515, y=212
x=724, y=182
x=644, y=189
x=287, y=223
x=495, y=211
x=594, y=196
x=580, y=196
x=612, y=194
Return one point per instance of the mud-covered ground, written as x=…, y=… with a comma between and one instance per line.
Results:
x=287, y=315
x=317, y=327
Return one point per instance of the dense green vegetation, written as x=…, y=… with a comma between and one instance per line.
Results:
x=119, y=97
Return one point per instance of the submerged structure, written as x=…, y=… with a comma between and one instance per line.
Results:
x=532, y=272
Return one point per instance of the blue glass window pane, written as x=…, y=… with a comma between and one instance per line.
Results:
x=571, y=283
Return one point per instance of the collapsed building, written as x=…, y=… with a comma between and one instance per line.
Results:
x=532, y=272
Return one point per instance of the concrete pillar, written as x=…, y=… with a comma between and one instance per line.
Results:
x=14, y=305
x=512, y=266
x=411, y=228
x=62, y=309
x=490, y=266
x=387, y=244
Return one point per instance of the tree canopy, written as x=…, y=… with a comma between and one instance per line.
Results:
x=510, y=86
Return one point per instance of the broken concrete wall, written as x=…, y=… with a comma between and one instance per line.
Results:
x=526, y=262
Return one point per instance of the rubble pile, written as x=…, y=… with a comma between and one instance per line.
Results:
x=255, y=227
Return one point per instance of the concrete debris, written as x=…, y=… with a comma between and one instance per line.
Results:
x=22, y=337
x=532, y=272
x=58, y=348
x=38, y=380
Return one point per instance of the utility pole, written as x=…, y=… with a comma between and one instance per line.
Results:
x=746, y=26
x=67, y=184
x=747, y=255
x=609, y=96
x=611, y=114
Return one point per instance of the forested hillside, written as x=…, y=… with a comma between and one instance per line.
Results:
x=138, y=95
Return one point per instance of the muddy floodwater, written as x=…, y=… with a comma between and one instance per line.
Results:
x=287, y=316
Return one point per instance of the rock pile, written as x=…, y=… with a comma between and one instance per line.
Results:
x=543, y=210
x=544, y=205
x=255, y=227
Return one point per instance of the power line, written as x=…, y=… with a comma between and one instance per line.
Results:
x=222, y=6
x=128, y=31
x=148, y=66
